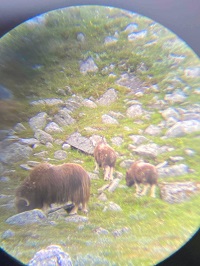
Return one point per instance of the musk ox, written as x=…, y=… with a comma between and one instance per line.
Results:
x=142, y=173
x=105, y=157
x=48, y=184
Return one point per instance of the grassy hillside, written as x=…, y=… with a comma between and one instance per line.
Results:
x=37, y=59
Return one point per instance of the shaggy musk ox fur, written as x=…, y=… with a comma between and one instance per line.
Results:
x=49, y=184
x=105, y=157
x=142, y=173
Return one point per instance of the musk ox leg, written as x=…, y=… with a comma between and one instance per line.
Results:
x=45, y=208
x=74, y=210
x=111, y=173
x=138, y=190
x=96, y=170
x=144, y=191
x=84, y=207
x=153, y=191
x=106, y=173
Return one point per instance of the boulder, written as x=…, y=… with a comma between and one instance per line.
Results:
x=52, y=255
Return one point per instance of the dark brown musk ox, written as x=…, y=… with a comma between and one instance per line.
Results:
x=142, y=173
x=105, y=157
x=48, y=184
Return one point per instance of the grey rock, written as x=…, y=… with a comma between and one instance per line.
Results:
x=135, y=111
x=49, y=102
x=189, y=152
x=175, y=97
x=60, y=155
x=138, y=139
x=5, y=93
x=63, y=118
x=30, y=142
x=114, y=184
x=53, y=255
x=101, y=231
x=52, y=127
x=126, y=164
x=76, y=140
x=151, y=150
x=192, y=72
x=39, y=121
x=77, y=219
x=153, y=130
x=178, y=192
x=102, y=197
x=89, y=103
x=8, y=234
x=80, y=37
x=41, y=154
x=109, y=40
x=117, y=141
x=88, y=66
x=43, y=137
x=27, y=217
x=119, y=232
x=106, y=119
x=19, y=127
x=108, y=97
x=182, y=128
x=131, y=27
x=4, y=179
x=112, y=207
x=15, y=153
x=174, y=170
x=137, y=35
x=66, y=146
x=170, y=112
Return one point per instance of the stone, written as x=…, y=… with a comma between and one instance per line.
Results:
x=76, y=219
x=63, y=118
x=48, y=102
x=153, y=130
x=131, y=27
x=52, y=127
x=39, y=121
x=43, y=137
x=178, y=192
x=109, y=40
x=8, y=234
x=134, y=111
x=89, y=103
x=76, y=140
x=80, y=37
x=14, y=153
x=53, y=255
x=88, y=66
x=106, y=119
x=110, y=96
x=112, y=207
x=182, y=128
x=27, y=217
x=60, y=155
x=19, y=127
x=174, y=170
x=137, y=35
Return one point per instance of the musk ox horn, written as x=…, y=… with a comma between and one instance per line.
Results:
x=27, y=202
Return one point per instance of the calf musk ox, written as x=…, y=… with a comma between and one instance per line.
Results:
x=48, y=184
x=142, y=173
x=105, y=157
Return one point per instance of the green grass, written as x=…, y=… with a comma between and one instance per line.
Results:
x=156, y=228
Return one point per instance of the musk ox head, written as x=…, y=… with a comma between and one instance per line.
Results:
x=25, y=197
x=22, y=204
x=129, y=179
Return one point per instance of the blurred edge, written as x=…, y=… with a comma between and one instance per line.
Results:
x=180, y=16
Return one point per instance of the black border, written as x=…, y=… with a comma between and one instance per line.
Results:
x=180, y=16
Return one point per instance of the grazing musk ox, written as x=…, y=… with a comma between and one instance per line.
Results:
x=48, y=184
x=105, y=157
x=142, y=173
